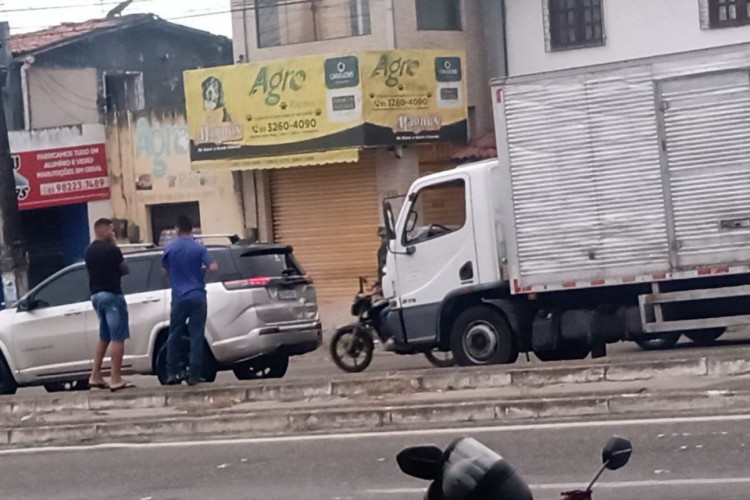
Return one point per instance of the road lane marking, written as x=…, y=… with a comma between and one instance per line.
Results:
x=601, y=486
x=403, y=433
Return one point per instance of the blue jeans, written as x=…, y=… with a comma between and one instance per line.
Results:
x=112, y=311
x=188, y=316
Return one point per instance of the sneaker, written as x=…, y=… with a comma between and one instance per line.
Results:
x=173, y=380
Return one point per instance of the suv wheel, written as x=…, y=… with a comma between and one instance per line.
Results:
x=7, y=382
x=210, y=367
x=266, y=367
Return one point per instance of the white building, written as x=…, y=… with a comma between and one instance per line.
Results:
x=545, y=35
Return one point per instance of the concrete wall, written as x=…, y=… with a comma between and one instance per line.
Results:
x=150, y=164
x=246, y=34
x=397, y=28
x=471, y=39
x=633, y=29
x=159, y=50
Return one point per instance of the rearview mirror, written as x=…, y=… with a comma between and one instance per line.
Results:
x=390, y=221
x=422, y=462
x=617, y=453
x=27, y=304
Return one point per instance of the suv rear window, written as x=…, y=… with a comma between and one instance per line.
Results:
x=243, y=263
x=265, y=265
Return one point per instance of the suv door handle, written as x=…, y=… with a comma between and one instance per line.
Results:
x=150, y=300
x=73, y=313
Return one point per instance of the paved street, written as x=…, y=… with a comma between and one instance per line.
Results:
x=319, y=364
x=686, y=459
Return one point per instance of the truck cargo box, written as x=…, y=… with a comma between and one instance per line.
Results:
x=624, y=173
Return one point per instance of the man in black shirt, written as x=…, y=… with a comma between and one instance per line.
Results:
x=106, y=266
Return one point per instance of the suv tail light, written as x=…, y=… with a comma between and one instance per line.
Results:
x=258, y=282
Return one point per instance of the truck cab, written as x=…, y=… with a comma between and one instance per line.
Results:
x=445, y=250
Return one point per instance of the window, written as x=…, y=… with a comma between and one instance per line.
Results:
x=69, y=288
x=436, y=211
x=124, y=91
x=575, y=24
x=286, y=22
x=439, y=15
x=359, y=17
x=137, y=280
x=728, y=13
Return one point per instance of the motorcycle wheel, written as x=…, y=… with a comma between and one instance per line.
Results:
x=440, y=359
x=352, y=348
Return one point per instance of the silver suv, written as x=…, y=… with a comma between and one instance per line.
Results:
x=261, y=310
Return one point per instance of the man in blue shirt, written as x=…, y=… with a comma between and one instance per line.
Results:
x=185, y=261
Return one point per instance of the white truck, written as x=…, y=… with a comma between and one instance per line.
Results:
x=618, y=209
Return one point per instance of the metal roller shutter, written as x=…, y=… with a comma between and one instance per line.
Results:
x=330, y=215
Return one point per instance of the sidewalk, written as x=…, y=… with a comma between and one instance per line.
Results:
x=367, y=403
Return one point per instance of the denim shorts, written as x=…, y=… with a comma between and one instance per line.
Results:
x=113, y=316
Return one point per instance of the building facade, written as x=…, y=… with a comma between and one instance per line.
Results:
x=107, y=94
x=548, y=35
x=331, y=213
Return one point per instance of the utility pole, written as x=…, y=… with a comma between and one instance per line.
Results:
x=13, y=263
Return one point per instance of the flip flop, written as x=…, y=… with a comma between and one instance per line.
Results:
x=100, y=385
x=125, y=385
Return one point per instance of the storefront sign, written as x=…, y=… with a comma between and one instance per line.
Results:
x=320, y=104
x=271, y=109
x=61, y=176
x=414, y=96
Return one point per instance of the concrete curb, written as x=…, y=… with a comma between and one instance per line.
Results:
x=373, y=418
x=361, y=387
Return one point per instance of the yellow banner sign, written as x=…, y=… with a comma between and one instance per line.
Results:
x=292, y=107
x=414, y=96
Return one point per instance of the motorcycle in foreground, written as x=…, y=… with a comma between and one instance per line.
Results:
x=352, y=345
x=468, y=470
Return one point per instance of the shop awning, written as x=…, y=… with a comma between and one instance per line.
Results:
x=350, y=155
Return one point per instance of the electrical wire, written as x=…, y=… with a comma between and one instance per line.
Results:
x=64, y=7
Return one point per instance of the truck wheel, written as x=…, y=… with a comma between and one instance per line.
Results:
x=706, y=337
x=481, y=336
x=659, y=342
x=7, y=382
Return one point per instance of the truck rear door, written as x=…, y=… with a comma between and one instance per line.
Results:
x=705, y=123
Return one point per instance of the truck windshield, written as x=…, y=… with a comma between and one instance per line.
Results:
x=437, y=210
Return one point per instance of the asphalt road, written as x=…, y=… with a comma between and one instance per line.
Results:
x=698, y=458
x=318, y=364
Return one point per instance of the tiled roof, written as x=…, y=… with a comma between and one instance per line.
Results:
x=55, y=35
x=481, y=149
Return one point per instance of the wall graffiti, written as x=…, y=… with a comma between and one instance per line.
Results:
x=162, y=159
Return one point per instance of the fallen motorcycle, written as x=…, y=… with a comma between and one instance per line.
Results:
x=468, y=470
x=352, y=346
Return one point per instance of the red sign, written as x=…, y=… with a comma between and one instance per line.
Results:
x=62, y=176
